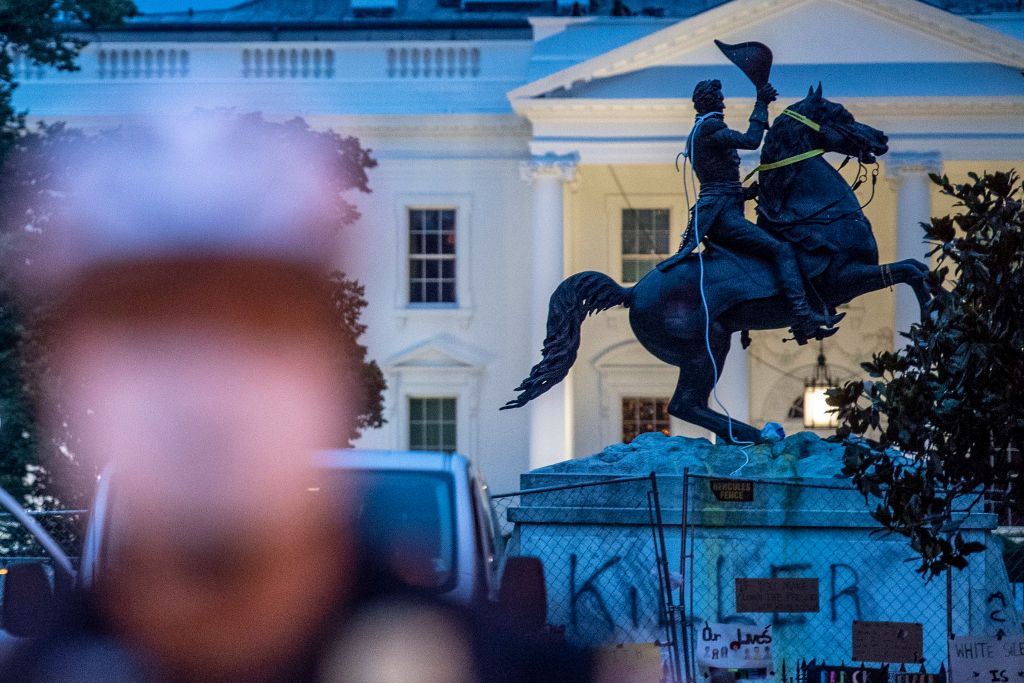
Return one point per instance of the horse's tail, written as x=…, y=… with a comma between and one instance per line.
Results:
x=576, y=298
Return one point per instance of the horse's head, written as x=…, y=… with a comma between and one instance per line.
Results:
x=840, y=132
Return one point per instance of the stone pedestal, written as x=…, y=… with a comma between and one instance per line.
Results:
x=599, y=553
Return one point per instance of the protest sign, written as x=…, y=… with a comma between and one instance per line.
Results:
x=777, y=595
x=987, y=659
x=887, y=641
x=735, y=646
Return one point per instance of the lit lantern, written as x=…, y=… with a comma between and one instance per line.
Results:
x=817, y=413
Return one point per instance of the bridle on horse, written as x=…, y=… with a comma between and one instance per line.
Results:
x=817, y=152
x=796, y=158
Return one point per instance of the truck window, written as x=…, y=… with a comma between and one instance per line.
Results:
x=407, y=518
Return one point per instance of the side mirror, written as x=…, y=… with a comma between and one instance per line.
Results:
x=30, y=606
x=523, y=594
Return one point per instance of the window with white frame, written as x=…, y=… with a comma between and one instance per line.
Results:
x=432, y=424
x=645, y=240
x=432, y=266
x=642, y=414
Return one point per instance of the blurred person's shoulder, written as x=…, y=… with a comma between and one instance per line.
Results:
x=79, y=647
x=415, y=636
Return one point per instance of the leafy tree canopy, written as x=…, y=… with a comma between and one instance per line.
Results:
x=42, y=32
x=35, y=175
x=942, y=420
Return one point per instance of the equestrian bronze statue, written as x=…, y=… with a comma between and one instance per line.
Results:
x=804, y=204
x=718, y=216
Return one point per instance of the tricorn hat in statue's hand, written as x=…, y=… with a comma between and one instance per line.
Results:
x=754, y=59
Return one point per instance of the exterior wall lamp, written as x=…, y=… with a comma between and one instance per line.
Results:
x=817, y=413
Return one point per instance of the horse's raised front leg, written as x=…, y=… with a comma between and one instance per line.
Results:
x=858, y=279
x=690, y=400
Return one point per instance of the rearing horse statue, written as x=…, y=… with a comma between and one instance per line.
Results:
x=807, y=203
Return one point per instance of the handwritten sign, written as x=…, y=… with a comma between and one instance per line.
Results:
x=733, y=490
x=735, y=646
x=987, y=659
x=887, y=641
x=777, y=595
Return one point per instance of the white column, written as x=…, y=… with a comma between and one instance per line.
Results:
x=550, y=414
x=908, y=173
x=734, y=384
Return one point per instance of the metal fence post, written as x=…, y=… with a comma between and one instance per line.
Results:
x=666, y=580
x=684, y=626
x=949, y=616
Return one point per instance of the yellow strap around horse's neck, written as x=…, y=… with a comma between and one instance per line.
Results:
x=796, y=158
x=802, y=119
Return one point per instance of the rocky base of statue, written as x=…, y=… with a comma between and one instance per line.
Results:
x=801, y=455
x=779, y=510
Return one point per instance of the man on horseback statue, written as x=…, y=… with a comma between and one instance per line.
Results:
x=718, y=215
x=807, y=211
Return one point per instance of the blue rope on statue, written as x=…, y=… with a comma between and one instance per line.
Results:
x=688, y=155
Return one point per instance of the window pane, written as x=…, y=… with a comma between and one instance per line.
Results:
x=432, y=278
x=661, y=219
x=432, y=435
x=629, y=270
x=432, y=424
x=661, y=242
x=644, y=414
x=643, y=220
x=415, y=219
x=431, y=224
x=644, y=231
x=645, y=243
x=448, y=292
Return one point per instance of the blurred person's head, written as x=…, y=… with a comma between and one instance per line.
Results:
x=193, y=329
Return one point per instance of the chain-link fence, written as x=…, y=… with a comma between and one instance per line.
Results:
x=606, y=569
x=1013, y=555
x=17, y=544
x=1010, y=542
x=823, y=531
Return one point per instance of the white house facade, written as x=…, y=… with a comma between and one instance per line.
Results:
x=518, y=144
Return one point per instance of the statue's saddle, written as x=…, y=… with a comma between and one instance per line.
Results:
x=728, y=278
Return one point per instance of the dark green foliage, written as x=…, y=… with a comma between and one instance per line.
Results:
x=28, y=176
x=364, y=377
x=32, y=177
x=42, y=31
x=943, y=418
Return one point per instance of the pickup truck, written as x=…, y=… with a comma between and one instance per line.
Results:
x=426, y=515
